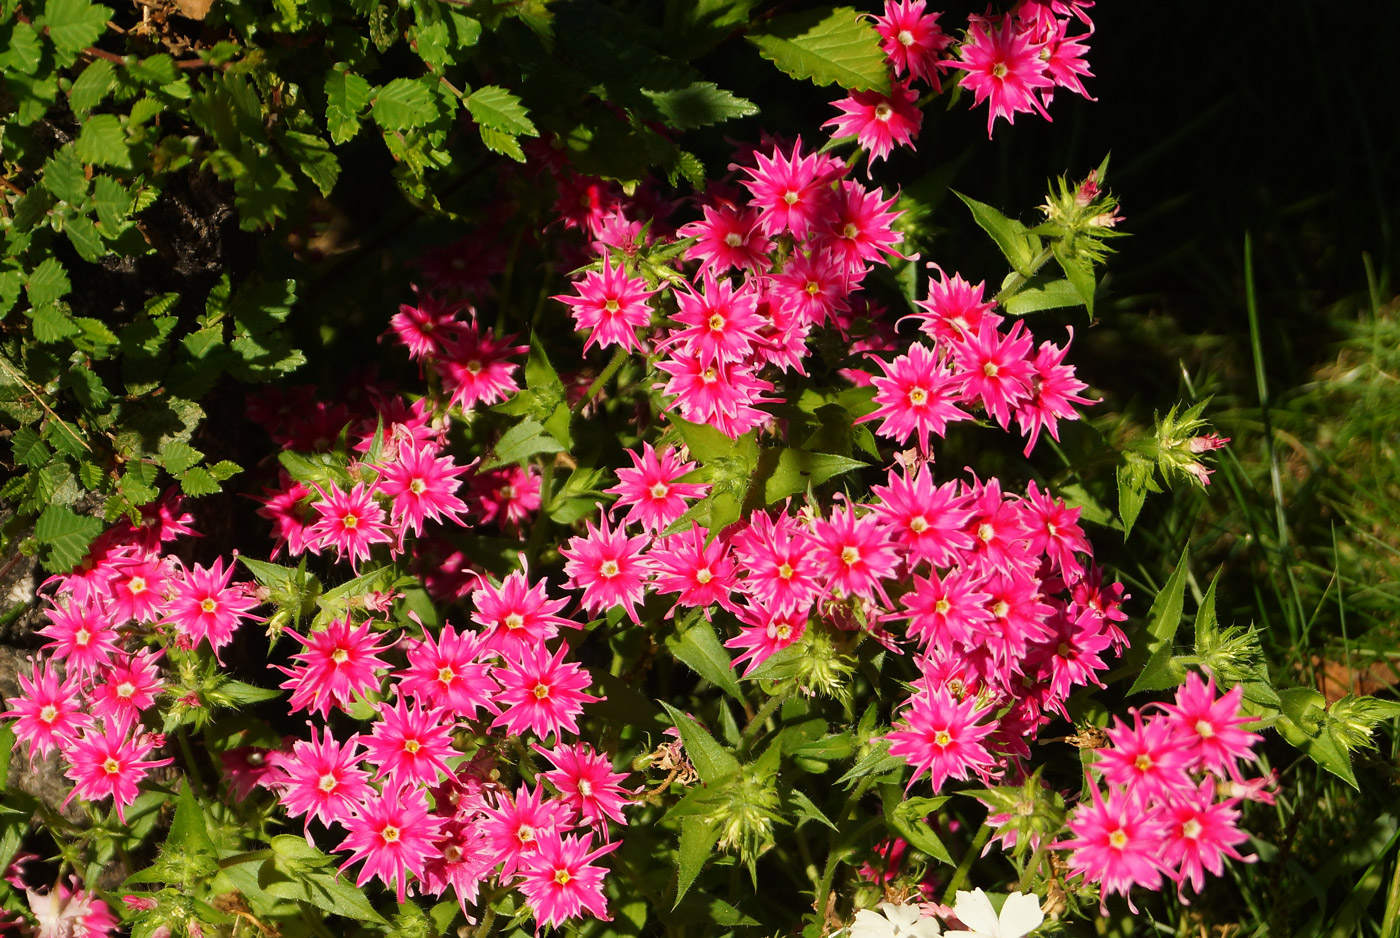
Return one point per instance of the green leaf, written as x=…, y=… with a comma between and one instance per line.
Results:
x=711, y=760
x=527, y=438
x=830, y=47
x=64, y=176
x=1163, y=619
x=22, y=48
x=29, y=450
x=1079, y=273
x=113, y=204
x=177, y=456
x=502, y=143
x=187, y=831
x=73, y=25
x=7, y=746
x=102, y=142
x=82, y=234
x=877, y=761
x=311, y=877
x=700, y=648
x=403, y=103
x=699, y=104
x=66, y=537
x=1010, y=235
x=1134, y=480
x=495, y=107
x=315, y=158
x=798, y=468
x=907, y=816
x=52, y=323
x=197, y=481
x=232, y=693
x=698, y=838
x=1052, y=295
x=346, y=97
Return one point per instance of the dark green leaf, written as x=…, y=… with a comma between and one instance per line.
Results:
x=495, y=107
x=877, y=761
x=830, y=47
x=187, y=831
x=197, y=481
x=711, y=760
x=64, y=176
x=403, y=103
x=52, y=323
x=698, y=839
x=66, y=537
x=699, y=104
x=700, y=648
x=1010, y=235
x=113, y=204
x=20, y=48
x=29, y=449
x=1052, y=295
x=1080, y=274
x=525, y=439
x=73, y=25
x=1134, y=479
x=502, y=143
x=313, y=155
x=82, y=234
x=346, y=97
x=798, y=468
x=1163, y=619
x=102, y=142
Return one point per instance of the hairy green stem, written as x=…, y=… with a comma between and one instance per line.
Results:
x=187, y=751
x=751, y=730
x=965, y=866
x=1020, y=278
x=619, y=357
x=836, y=851
x=250, y=856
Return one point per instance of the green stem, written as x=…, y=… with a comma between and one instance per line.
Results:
x=835, y=853
x=191, y=766
x=761, y=717
x=965, y=866
x=1031, y=867
x=619, y=357
x=1019, y=280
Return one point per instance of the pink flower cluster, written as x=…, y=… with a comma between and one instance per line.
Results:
x=1174, y=782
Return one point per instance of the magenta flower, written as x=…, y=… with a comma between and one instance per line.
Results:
x=1005, y=68
x=422, y=485
x=650, y=491
x=103, y=766
x=394, y=835
x=587, y=783
x=927, y=519
x=723, y=322
x=83, y=636
x=206, y=607
x=996, y=368
x=763, y=633
x=1147, y=759
x=700, y=573
x=912, y=40
x=948, y=609
x=723, y=396
x=517, y=616
x=1200, y=834
x=954, y=309
x=49, y=711
x=423, y=328
x=609, y=567
x=943, y=736
x=1210, y=727
x=542, y=693
x=1118, y=843
x=727, y=238
x=791, y=192
x=321, y=778
x=561, y=880
x=611, y=304
x=879, y=122
x=288, y=508
x=448, y=673
x=338, y=663
x=854, y=553
x=129, y=686
x=351, y=522
x=516, y=828
x=917, y=395
x=138, y=590
x=859, y=229
x=782, y=571
x=474, y=368
x=410, y=745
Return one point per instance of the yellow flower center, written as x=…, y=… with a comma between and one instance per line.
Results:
x=943, y=738
x=999, y=70
x=125, y=690
x=942, y=607
x=390, y=834
x=541, y=691
x=327, y=783
x=340, y=656
x=990, y=369
x=791, y=196
x=734, y=239
x=703, y=576
x=611, y=306
x=905, y=37
x=82, y=638
x=585, y=787
x=785, y=571
x=716, y=322
x=474, y=367
x=1191, y=829
x=562, y=877
x=1143, y=762
x=1204, y=729
x=918, y=397
x=515, y=621
x=1118, y=839
x=1001, y=609
x=850, y=230
x=411, y=746
x=137, y=585
x=350, y=521
x=609, y=569
x=918, y=524
x=111, y=766
x=417, y=486
x=850, y=556
x=986, y=532
x=813, y=288
x=446, y=675
x=1064, y=650
x=660, y=490
x=49, y=713
x=883, y=112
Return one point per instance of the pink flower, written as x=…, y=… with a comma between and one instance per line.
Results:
x=948, y=609
x=288, y=508
x=954, y=309
x=129, y=686
x=612, y=305
x=1064, y=60
x=943, y=737
x=609, y=567
x=394, y=835
x=321, y=778
x=916, y=395
x=48, y=711
x=811, y=288
x=422, y=485
x=447, y=673
x=723, y=322
x=723, y=396
x=339, y=663
x=586, y=781
x=474, y=368
x=560, y=881
x=702, y=574
x=350, y=522
x=1211, y=727
x=650, y=491
x=791, y=192
x=1054, y=389
x=1199, y=835
x=83, y=635
x=518, y=826
x=764, y=632
x=103, y=766
x=541, y=693
x=782, y=571
x=1148, y=759
x=517, y=616
x=727, y=238
x=66, y=912
x=1004, y=67
x=995, y=368
x=1053, y=529
x=879, y=122
x=423, y=328
x=206, y=607
x=855, y=553
x=913, y=40
x=507, y=496
x=858, y=228
x=410, y=745
x=138, y=590
x=928, y=520
x=1117, y=843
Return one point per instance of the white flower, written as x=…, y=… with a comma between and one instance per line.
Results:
x=898, y=921
x=1020, y=915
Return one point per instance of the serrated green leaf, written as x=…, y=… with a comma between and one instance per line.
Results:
x=525, y=439
x=102, y=142
x=20, y=48
x=96, y=336
x=66, y=537
x=830, y=47
x=82, y=234
x=46, y=283
x=711, y=760
x=313, y=155
x=495, y=107
x=33, y=93
x=403, y=103
x=502, y=143
x=346, y=96
x=51, y=323
x=700, y=649
x=198, y=481
x=29, y=449
x=1053, y=295
x=1010, y=235
x=64, y=176
x=158, y=69
x=224, y=469
x=112, y=202
x=697, y=842
x=73, y=25
x=699, y=104
x=177, y=456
